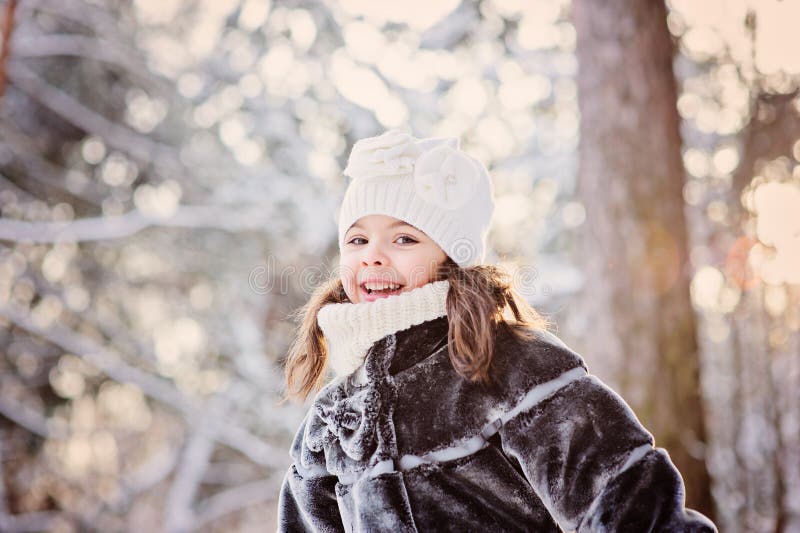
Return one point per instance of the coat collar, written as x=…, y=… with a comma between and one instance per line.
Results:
x=419, y=342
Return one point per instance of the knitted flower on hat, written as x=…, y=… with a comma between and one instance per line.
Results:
x=389, y=154
x=445, y=177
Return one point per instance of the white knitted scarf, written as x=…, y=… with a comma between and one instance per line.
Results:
x=350, y=329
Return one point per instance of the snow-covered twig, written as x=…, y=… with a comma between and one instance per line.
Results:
x=41, y=521
x=234, y=499
x=196, y=456
x=30, y=419
x=89, y=15
x=151, y=473
x=10, y=185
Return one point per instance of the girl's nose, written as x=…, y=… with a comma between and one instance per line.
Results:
x=374, y=255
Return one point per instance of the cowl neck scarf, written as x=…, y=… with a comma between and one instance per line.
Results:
x=351, y=329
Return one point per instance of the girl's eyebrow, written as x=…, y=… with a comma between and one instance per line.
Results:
x=392, y=225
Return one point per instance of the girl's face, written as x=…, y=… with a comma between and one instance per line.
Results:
x=382, y=256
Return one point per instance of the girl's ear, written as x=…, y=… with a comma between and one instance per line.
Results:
x=446, y=269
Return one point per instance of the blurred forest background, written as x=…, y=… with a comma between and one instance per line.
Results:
x=169, y=178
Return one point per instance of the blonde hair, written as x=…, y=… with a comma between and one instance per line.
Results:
x=478, y=303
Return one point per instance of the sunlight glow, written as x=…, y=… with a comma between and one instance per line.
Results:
x=726, y=159
x=178, y=345
x=254, y=14
x=93, y=150
x=302, y=29
x=511, y=209
x=494, y=135
x=418, y=14
x=123, y=405
x=697, y=162
x=467, y=96
x=157, y=11
x=776, y=39
x=160, y=201
x=364, y=41
x=363, y=87
x=778, y=228
x=710, y=292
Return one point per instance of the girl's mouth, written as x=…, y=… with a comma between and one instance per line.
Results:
x=372, y=292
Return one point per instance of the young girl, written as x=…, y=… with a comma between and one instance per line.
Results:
x=453, y=408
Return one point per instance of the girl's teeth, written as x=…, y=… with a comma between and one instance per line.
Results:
x=383, y=290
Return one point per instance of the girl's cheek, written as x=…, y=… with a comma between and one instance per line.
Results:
x=350, y=289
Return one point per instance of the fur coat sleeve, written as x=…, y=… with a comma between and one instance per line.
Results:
x=416, y=447
x=594, y=466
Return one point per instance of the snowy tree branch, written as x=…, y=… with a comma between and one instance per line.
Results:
x=218, y=428
x=115, y=227
x=43, y=171
x=91, y=16
x=234, y=499
x=30, y=419
x=151, y=473
x=42, y=521
x=87, y=47
x=123, y=139
x=196, y=456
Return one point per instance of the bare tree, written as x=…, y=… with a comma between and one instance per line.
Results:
x=635, y=247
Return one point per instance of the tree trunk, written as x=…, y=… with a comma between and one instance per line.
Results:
x=635, y=239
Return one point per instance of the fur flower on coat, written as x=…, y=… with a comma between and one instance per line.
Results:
x=416, y=447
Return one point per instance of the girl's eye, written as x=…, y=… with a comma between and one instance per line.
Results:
x=411, y=239
x=352, y=241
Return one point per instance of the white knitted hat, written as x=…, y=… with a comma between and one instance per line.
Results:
x=429, y=183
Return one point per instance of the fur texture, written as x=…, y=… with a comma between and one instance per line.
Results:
x=547, y=447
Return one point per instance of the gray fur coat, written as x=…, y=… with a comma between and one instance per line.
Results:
x=413, y=446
